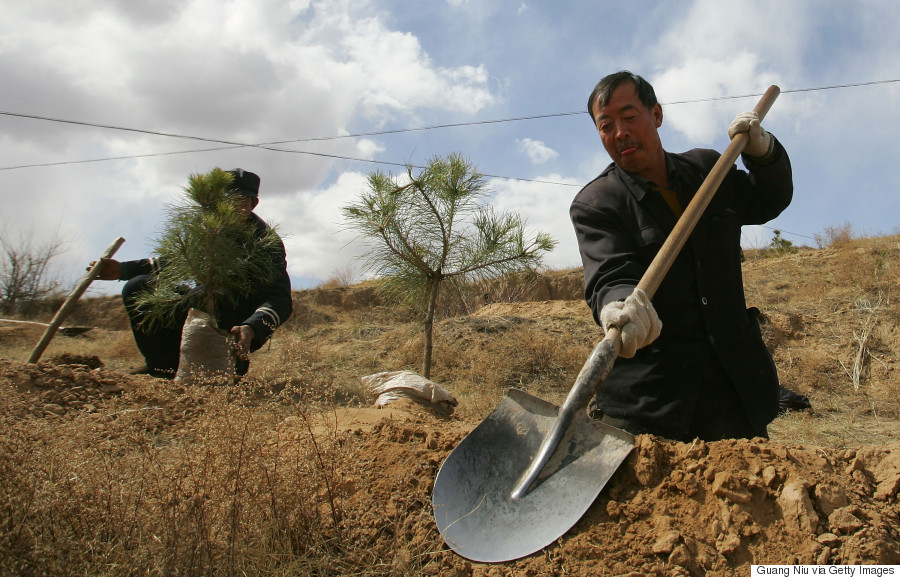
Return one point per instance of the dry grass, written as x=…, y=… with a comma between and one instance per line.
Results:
x=167, y=480
x=835, y=236
x=116, y=348
x=832, y=318
x=227, y=489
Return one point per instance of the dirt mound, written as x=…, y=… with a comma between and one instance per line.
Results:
x=65, y=385
x=671, y=509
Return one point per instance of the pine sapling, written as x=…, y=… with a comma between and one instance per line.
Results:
x=208, y=251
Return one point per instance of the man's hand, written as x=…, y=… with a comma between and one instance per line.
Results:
x=243, y=336
x=760, y=142
x=636, y=320
x=110, y=269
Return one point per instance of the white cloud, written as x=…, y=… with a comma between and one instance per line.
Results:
x=251, y=73
x=314, y=234
x=241, y=71
x=388, y=71
x=546, y=208
x=705, y=76
x=718, y=49
x=368, y=148
x=536, y=150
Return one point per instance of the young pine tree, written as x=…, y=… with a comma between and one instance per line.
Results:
x=208, y=250
x=435, y=226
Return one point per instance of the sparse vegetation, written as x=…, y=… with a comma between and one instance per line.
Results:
x=103, y=473
x=434, y=227
x=835, y=236
x=343, y=276
x=781, y=246
x=24, y=285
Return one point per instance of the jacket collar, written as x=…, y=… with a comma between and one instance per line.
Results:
x=641, y=188
x=640, y=185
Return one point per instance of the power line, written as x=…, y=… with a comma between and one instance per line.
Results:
x=272, y=145
x=295, y=140
x=792, y=91
x=322, y=154
x=782, y=230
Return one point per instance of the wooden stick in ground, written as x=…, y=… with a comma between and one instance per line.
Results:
x=70, y=301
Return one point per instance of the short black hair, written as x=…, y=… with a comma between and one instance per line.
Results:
x=604, y=89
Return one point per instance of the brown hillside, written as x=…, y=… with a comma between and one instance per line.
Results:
x=294, y=472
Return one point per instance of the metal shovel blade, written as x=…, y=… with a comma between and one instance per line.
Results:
x=74, y=331
x=64, y=331
x=473, y=507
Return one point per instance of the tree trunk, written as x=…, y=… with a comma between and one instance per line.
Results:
x=429, y=323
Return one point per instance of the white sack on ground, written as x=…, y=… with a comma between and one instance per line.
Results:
x=393, y=385
x=205, y=350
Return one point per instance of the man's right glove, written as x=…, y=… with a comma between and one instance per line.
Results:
x=760, y=143
x=636, y=319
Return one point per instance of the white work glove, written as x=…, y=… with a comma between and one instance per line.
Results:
x=761, y=143
x=636, y=319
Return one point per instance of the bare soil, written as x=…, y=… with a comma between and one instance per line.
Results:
x=823, y=490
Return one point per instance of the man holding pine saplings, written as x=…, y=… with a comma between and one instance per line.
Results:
x=214, y=255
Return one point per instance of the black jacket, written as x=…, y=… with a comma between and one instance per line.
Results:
x=264, y=309
x=621, y=223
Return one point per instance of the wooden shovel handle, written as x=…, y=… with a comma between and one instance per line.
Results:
x=70, y=301
x=676, y=240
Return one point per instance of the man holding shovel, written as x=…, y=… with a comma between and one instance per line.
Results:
x=251, y=319
x=693, y=363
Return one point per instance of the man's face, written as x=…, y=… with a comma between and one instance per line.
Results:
x=245, y=204
x=628, y=130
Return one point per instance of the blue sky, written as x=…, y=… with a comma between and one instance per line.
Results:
x=259, y=71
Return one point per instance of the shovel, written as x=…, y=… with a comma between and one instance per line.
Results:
x=64, y=331
x=530, y=470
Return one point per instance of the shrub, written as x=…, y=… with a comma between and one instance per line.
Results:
x=834, y=236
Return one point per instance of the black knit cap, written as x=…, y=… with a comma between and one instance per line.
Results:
x=244, y=183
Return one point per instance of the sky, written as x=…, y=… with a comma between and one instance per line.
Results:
x=107, y=106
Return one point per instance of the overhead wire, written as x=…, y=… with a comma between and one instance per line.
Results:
x=395, y=130
x=273, y=146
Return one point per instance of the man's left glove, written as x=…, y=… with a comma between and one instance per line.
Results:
x=761, y=143
x=636, y=320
